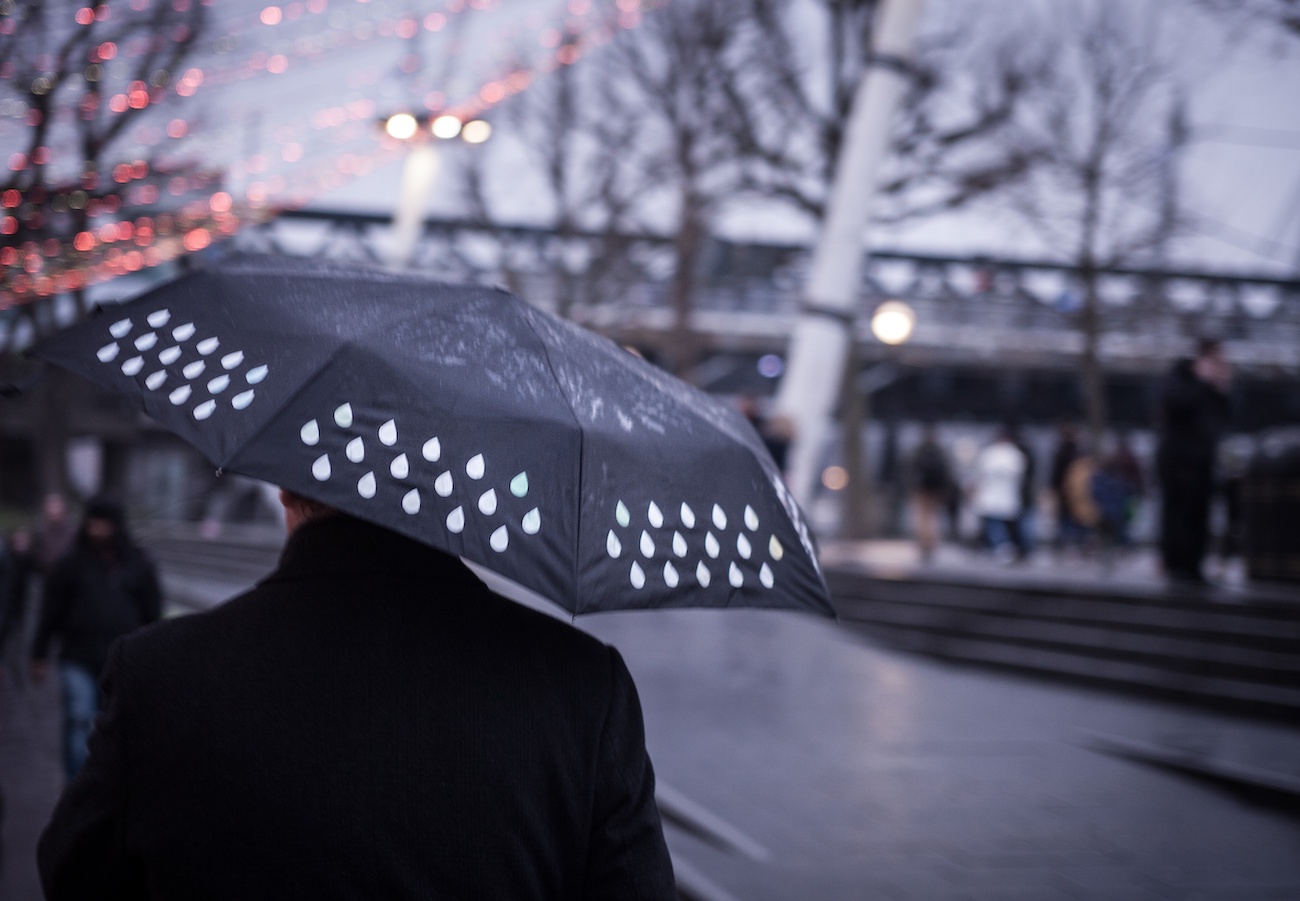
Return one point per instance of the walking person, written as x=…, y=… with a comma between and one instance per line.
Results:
x=103, y=588
x=996, y=496
x=1193, y=417
x=1070, y=531
x=931, y=479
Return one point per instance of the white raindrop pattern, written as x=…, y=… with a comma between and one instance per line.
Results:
x=176, y=356
x=434, y=481
x=673, y=544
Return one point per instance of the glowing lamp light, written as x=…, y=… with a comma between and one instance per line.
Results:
x=835, y=478
x=893, y=322
x=445, y=127
x=401, y=126
x=476, y=131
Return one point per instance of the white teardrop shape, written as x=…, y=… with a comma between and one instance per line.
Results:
x=133, y=366
x=719, y=518
x=612, y=545
x=170, y=355
x=734, y=576
x=679, y=544
x=108, y=353
x=219, y=384
x=321, y=468
x=255, y=375
x=647, y=544
x=230, y=361
x=388, y=433
x=622, y=515
x=356, y=450
x=500, y=539
x=742, y=546
x=343, y=416
x=204, y=410
x=241, y=400
x=442, y=484
x=400, y=468
x=310, y=433
x=655, y=515
x=702, y=575
x=180, y=395
x=194, y=370
x=155, y=379
x=751, y=518
x=120, y=328
x=532, y=523
x=432, y=450
x=411, y=502
x=774, y=548
x=183, y=332
x=146, y=341
x=366, y=485
x=765, y=576
x=670, y=575
x=456, y=520
x=711, y=546
x=159, y=318
x=637, y=576
x=476, y=467
x=688, y=517
x=487, y=502
x=208, y=345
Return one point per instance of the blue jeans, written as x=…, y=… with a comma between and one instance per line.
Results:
x=80, y=704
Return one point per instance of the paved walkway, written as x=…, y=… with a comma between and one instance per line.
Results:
x=813, y=764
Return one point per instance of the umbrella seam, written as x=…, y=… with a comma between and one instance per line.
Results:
x=582, y=450
x=346, y=344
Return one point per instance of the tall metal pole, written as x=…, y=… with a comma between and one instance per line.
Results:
x=820, y=342
x=419, y=171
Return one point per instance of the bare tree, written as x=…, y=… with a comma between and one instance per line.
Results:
x=1105, y=128
x=74, y=77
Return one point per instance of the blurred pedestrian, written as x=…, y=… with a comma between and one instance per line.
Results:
x=1023, y=529
x=1070, y=532
x=996, y=495
x=370, y=721
x=54, y=535
x=1193, y=417
x=1118, y=486
x=930, y=475
x=776, y=432
x=103, y=588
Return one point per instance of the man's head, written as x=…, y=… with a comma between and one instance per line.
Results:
x=103, y=525
x=299, y=510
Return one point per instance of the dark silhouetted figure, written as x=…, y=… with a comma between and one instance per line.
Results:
x=369, y=721
x=1193, y=416
x=102, y=589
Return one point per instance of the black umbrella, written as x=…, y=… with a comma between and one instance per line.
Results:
x=467, y=419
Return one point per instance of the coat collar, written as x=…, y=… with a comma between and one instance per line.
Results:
x=337, y=545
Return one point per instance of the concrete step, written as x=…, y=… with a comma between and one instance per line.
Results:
x=1239, y=655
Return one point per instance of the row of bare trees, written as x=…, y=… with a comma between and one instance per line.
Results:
x=1069, y=117
x=1063, y=114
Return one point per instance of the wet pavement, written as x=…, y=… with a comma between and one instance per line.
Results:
x=801, y=761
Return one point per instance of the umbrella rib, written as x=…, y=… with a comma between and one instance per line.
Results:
x=266, y=423
x=582, y=450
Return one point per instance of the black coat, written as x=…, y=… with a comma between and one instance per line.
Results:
x=368, y=722
x=89, y=603
x=1193, y=417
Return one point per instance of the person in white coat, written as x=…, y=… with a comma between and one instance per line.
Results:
x=996, y=492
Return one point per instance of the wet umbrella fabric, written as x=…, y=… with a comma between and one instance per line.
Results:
x=467, y=419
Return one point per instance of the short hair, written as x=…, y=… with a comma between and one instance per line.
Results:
x=308, y=509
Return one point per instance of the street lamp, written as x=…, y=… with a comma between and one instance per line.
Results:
x=420, y=170
x=893, y=321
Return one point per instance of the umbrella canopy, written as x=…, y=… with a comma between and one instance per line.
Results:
x=467, y=419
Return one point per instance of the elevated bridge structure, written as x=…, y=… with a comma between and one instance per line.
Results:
x=993, y=337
